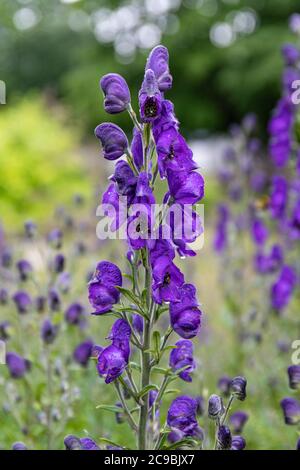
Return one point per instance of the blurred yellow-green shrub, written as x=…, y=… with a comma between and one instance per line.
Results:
x=39, y=163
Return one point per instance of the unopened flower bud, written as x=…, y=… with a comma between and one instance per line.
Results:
x=215, y=407
x=238, y=387
x=224, y=439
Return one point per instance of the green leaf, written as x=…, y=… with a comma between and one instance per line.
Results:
x=135, y=366
x=108, y=441
x=171, y=390
x=147, y=389
x=161, y=370
x=129, y=295
x=187, y=442
x=156, y=340
x=111, y=408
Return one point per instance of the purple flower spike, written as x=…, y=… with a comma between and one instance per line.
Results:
x=102, y=288
x=17, y=365
x=238, y=443
x=22, y=301
x=182, y=356
x=116, y=93
x=185, y=314
x=294, y=377
x=224, y=439
x=150, y=98
x=182, y=416
x=111, y=363
x=167, y=281
x=238, y=420
x=291, y=410
x=158, y=61
x=185, y=188
x=83, y=352
x=279, y=196
x=113, y=140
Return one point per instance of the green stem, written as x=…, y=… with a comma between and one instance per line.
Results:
x=125, y=407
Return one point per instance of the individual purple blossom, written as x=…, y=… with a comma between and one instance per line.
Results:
x=182, y=416
x=113, y=140
x=150, y=98
x=5, y=327
x=294, y=222
x=280, y=128
x=291, y=54
x=83, y=352
x=55, y=238
x=64, y=281
x=103, y=293
x=283, y=288
x=238, y=443
x=291, y=410
x=74, y=313
x=59, y=263
x=88, y=444
x=166, y=121
x=215, y=407
x=158, y=61
x=22, y=301
x=238, y=420
x=48, y=331
x=167, y=280
x=173, y=153
x=120, y=336
x=40, y=303
x=224, y=438
x=182, y=356
x=125, y=180
x=24, y=269
x=6, y=258
x=200, y=405
x=137, y=148
x=185, y=315
x=224, y=383
x=138, y=323
x=30, y=229
x=294, y=23
x=185, y=188
x=54, y=300
x=19, y=446
x=238, y=387
x=294, y=377
x=116, y=93
x=72, y=443
x=278, y=197
x=259, y=232
x=119, y=415
x=17, y=365
x=3, y=296
x=271, y=262
x=111, y=363
x=160, y=247
x=221, y=233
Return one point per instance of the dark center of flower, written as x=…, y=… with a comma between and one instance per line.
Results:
x=171, y=153
x=138, y=228
x=151, y=108
x=167, y=279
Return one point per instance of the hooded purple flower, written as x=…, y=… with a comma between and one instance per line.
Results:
x=24, y=268
x=102, y=287
x=173, y=153
x=224, y=438
x=115, y=207
x=269, y=263
x=22, y=301
x=238, y=387
x=138, y=323
x=167, y=280
x=16, y=365
x=185, y=188
x=59, y=263
x=224, y=383
x=291, y=410
x=120, y=336
x=158, y=61
x=160, y=247
x=111, y=363
x=185, y=314
x=88, y=444
x=279, y=196
x=182, y=356
x=238, y=443
x=167, y=120
x=48, y=331
x=113, y=140
x=137, y=148
x=116, y=93
x=282, y=289
x=150, y=98
x=294, y=377
x=259, y=232
x=182, y=416
x=72, y=443
x=238, y=420
x=215, y=407
x=83, y=352
x=74, y=313
x=125, y=180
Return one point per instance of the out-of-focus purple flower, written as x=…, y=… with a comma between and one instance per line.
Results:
x=158, y=61
x=294, y=23
x=278, y=197
x=72, y=443
x=167, y=280
x=269, y=263
x=294, y=222
x=138, y=323
x=182, y=356
x=215, y=407
x=238, y=443
x=291, y=54
x=259, y=232
x=3, y=296
x=238, y=420
x=249, y=122
x=173, y=152
x=279, y=128
x=224, y=438
x=59, y=263
x=113, y=140
x=258, y=181
x=103, y=293
x=40, y=303
x=185, y=188
x=5, y=327
x=96, y=351
x=111, y=363
x=182, y=416
x=185, y=315
x=150, y=98
x=19, y=446
x=119, y=415
x=298, y=444
x=291, y=410
x=294, y=377
x=22, y=301
x=54, y=300
x=17, y=365
x=125, y=180
x=116, y=93
x=6, y=258
x=221, y=234
x=224, y=383
x=30, y=229
x=64, y=282
x=83, y=352
x=290, y=75
x=88, y=444
x=74, y=313
x=200, y=405
x=55, y=238
x=24, y=269
x=283, y=288
x=48, y=331
x=238, y=387
x=137, y=148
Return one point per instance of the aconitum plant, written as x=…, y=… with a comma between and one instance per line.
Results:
x=158, y=293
